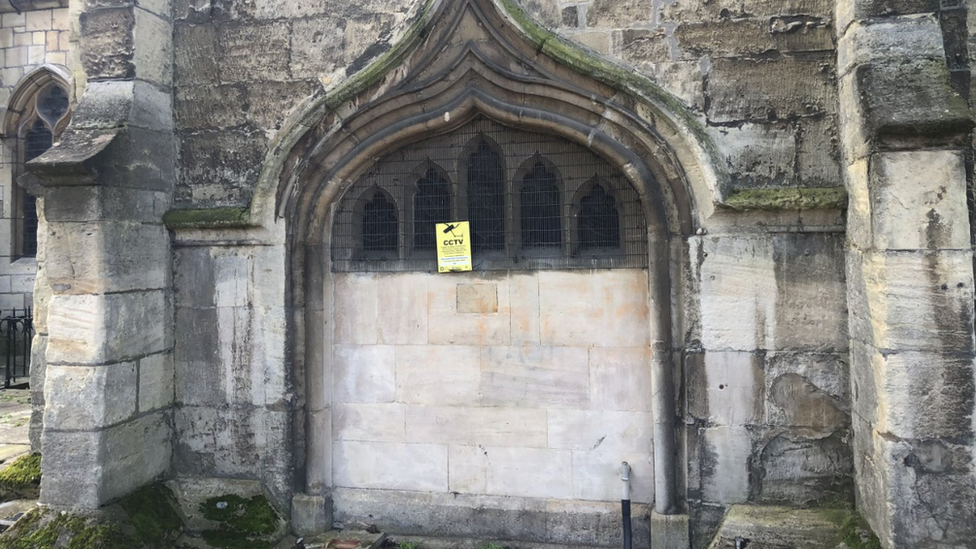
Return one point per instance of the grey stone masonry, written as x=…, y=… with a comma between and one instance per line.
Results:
x=105, y=282
x=910, y=273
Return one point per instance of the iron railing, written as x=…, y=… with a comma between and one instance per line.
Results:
x=16, y=334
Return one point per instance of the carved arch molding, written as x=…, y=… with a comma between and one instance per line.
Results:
x=461, y=60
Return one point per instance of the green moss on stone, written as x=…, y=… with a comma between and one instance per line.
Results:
x=244, y=523
x=152, y=513
x=856, y=534
x=41, y=529
x=787, y=199
x=21, y=479
x=210, y=218
x=24, y=470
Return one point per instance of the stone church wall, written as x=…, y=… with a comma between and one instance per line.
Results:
x=762, y=301
x=38, y=35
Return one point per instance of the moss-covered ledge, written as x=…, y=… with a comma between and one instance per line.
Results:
x=208, y=218
x=744, y=200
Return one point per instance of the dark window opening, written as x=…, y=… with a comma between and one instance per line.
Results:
x=53, y=104
x=540, y=200
x=486, y=198
x=599, y=221
x=379, y=225
x=431, y=205
x=37, y=141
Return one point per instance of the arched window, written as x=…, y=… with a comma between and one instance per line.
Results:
x=540, y=205
x=431, y=205
x=380, y=232
x=560, y=206
x=599, y=220
x=486, y=197
x=37, y=113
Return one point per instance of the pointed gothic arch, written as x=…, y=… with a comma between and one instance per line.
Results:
x=37, y=113
x=461, y=60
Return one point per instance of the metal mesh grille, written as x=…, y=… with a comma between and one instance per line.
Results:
x=534, y=202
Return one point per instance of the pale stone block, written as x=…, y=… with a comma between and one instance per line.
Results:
x=477, y=298
x=402, y=309
x=544, y=376
x=35, y=55
x=268, y=275
x=356, y=313
x=922, y=195
x=268, y=376
x=468, y=469
x=730, y=449
x=421, y=467
x=918, y=301
x=446, y=326
x=39, y=20
x=451, y=329
x=603, y=309
x=498, y=427
x=231, y=280
x=620, y=379
x=96, y=329
x=525, y=309
x=738, y=292
x=156, y=382
x=81, y=397
x=364, y=373
x=734, y=388
x=630, y=432
x=596, y=475
x=529, y=472
x=438, y=375
x=153, y=59
x=369, y=422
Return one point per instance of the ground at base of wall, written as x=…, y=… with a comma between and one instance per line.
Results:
x=770, y=527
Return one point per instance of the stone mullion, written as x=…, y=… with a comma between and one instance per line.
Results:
x=910, y=276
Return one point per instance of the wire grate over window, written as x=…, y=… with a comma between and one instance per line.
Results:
x=534, y=202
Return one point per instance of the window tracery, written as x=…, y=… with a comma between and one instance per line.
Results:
x=533, y=201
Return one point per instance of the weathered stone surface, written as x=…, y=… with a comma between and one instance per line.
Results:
x=219, y=167
x=107, y=42
x=80, y=397
x=317, y=46
x=370, y=422
x=195, y=55
x=792, y=86
x=610, y=13
x=200, y=107
x=759, y=155
x=90, y=329
x=921, y=196
x=253, y=51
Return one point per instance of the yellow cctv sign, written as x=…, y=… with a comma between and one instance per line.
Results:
x=453, y=247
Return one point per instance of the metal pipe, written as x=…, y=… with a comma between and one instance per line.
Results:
x=625, y=504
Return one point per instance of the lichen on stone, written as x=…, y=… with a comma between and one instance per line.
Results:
x=787, y=199
x=209, y=218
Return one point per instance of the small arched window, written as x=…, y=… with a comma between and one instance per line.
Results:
x=431, y=205
x=599, y=220
x=486, y=197
x=540, y=204
x=380, y=227
x=37, y=112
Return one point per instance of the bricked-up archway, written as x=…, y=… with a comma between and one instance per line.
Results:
x=462, y=60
